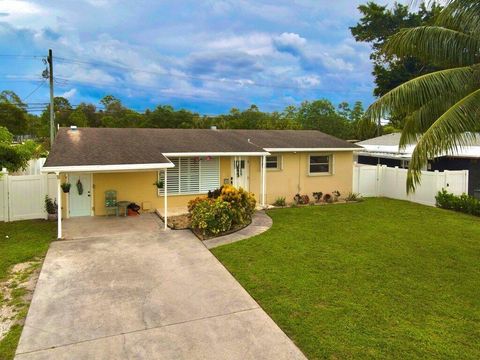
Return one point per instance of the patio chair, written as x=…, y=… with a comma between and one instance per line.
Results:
x=111, y=201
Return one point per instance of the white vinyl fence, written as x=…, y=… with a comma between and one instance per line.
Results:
x=380, y=180
x=22, y=197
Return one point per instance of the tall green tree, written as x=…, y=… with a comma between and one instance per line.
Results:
x=442, y=107
x=377, y=24
x=13, y=114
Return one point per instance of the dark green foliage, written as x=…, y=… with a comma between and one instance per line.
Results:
x=280, y=201
x=380, y=279
x=463, y=203
x=376, y=26
x=50, y=205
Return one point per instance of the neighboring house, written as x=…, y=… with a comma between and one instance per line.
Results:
x=268, y=163
x=385, y=150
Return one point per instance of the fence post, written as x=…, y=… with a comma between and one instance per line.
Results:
x=6, y=210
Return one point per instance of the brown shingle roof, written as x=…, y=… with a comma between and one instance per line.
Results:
x=112, y=146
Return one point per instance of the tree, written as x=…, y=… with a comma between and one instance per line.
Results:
x=77, y=118
x=376, y=26
x=443, y=107
x=15, y=157
x=321, y=115
x=13, y=115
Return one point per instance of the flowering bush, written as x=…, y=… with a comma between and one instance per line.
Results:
x=242, y=204
x=223, y=209
x=211, y=216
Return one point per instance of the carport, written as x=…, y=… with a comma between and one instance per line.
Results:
x=63, y=171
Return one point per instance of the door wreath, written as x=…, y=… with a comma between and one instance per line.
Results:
x=79, y=187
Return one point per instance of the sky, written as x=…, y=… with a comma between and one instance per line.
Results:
x=205, y=56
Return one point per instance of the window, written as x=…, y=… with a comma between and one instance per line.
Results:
x=273, y=162
x=192, y=175
x=320, y=164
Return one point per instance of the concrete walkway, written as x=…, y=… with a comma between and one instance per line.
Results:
x=145, y=295
x=261, y=222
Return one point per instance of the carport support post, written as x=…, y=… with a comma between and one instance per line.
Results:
x=165, y=200
x=264, y=174
x=59, y=206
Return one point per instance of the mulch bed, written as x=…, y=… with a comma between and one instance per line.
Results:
x=182, y=222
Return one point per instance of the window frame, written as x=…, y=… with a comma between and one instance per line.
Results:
x=330, y=171
x=279, y=162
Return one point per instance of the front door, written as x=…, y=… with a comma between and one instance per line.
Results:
x=79, y=200
x=240, y=174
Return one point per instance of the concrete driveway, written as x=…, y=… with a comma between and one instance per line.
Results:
x=145, y=295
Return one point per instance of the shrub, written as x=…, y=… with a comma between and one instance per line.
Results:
x=242, y=204
x=463, y=203
x=354, y=197
x=221, y=210
x=328, y=198
x=50, y=205
x=317, y=196
x=301, y=199
x=193, y=203
x=280, y=201
x=211, y=216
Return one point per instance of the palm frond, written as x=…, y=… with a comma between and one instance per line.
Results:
x=413, y=94
x=435, y=44
x=420, y=120
x=462, y=15
x=452, y=131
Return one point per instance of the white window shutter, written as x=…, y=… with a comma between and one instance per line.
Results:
x=209, y=174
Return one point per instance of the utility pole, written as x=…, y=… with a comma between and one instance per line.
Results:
x=52, y=113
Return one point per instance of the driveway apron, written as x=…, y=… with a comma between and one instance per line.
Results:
x=145, y=295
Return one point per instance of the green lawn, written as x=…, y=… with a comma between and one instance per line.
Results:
x=21, y=241
x=378, y=279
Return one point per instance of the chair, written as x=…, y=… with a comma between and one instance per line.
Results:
x=111, y=201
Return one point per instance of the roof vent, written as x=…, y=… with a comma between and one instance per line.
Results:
x=213, y=127
x=73, y=127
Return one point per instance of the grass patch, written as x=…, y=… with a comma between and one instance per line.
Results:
x=378, y=279
x=8, y=344
x=26, y=241
x=20, y=242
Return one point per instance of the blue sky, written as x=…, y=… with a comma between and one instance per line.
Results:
x=206, y=56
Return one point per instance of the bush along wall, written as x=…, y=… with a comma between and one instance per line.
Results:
x=223, y=210
x=463, y=203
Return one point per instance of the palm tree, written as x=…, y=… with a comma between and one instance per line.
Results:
x=443, y=107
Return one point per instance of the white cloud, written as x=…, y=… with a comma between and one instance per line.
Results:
x=69, y=94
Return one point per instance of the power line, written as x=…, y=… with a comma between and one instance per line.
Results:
x=22, y=56
x=38, y=87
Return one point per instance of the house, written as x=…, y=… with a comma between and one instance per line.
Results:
x=191, y=162
x=385, y=150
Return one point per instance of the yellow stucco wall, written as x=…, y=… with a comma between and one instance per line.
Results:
x=138, y=187
x=292, y=178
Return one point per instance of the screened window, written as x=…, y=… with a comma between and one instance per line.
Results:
x=320, y=164
x=192, y=175
x=273, y=162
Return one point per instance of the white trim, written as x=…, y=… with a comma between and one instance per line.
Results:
x=190, y=154
x=106, y=168
x=310, y=149
x=279, y=163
